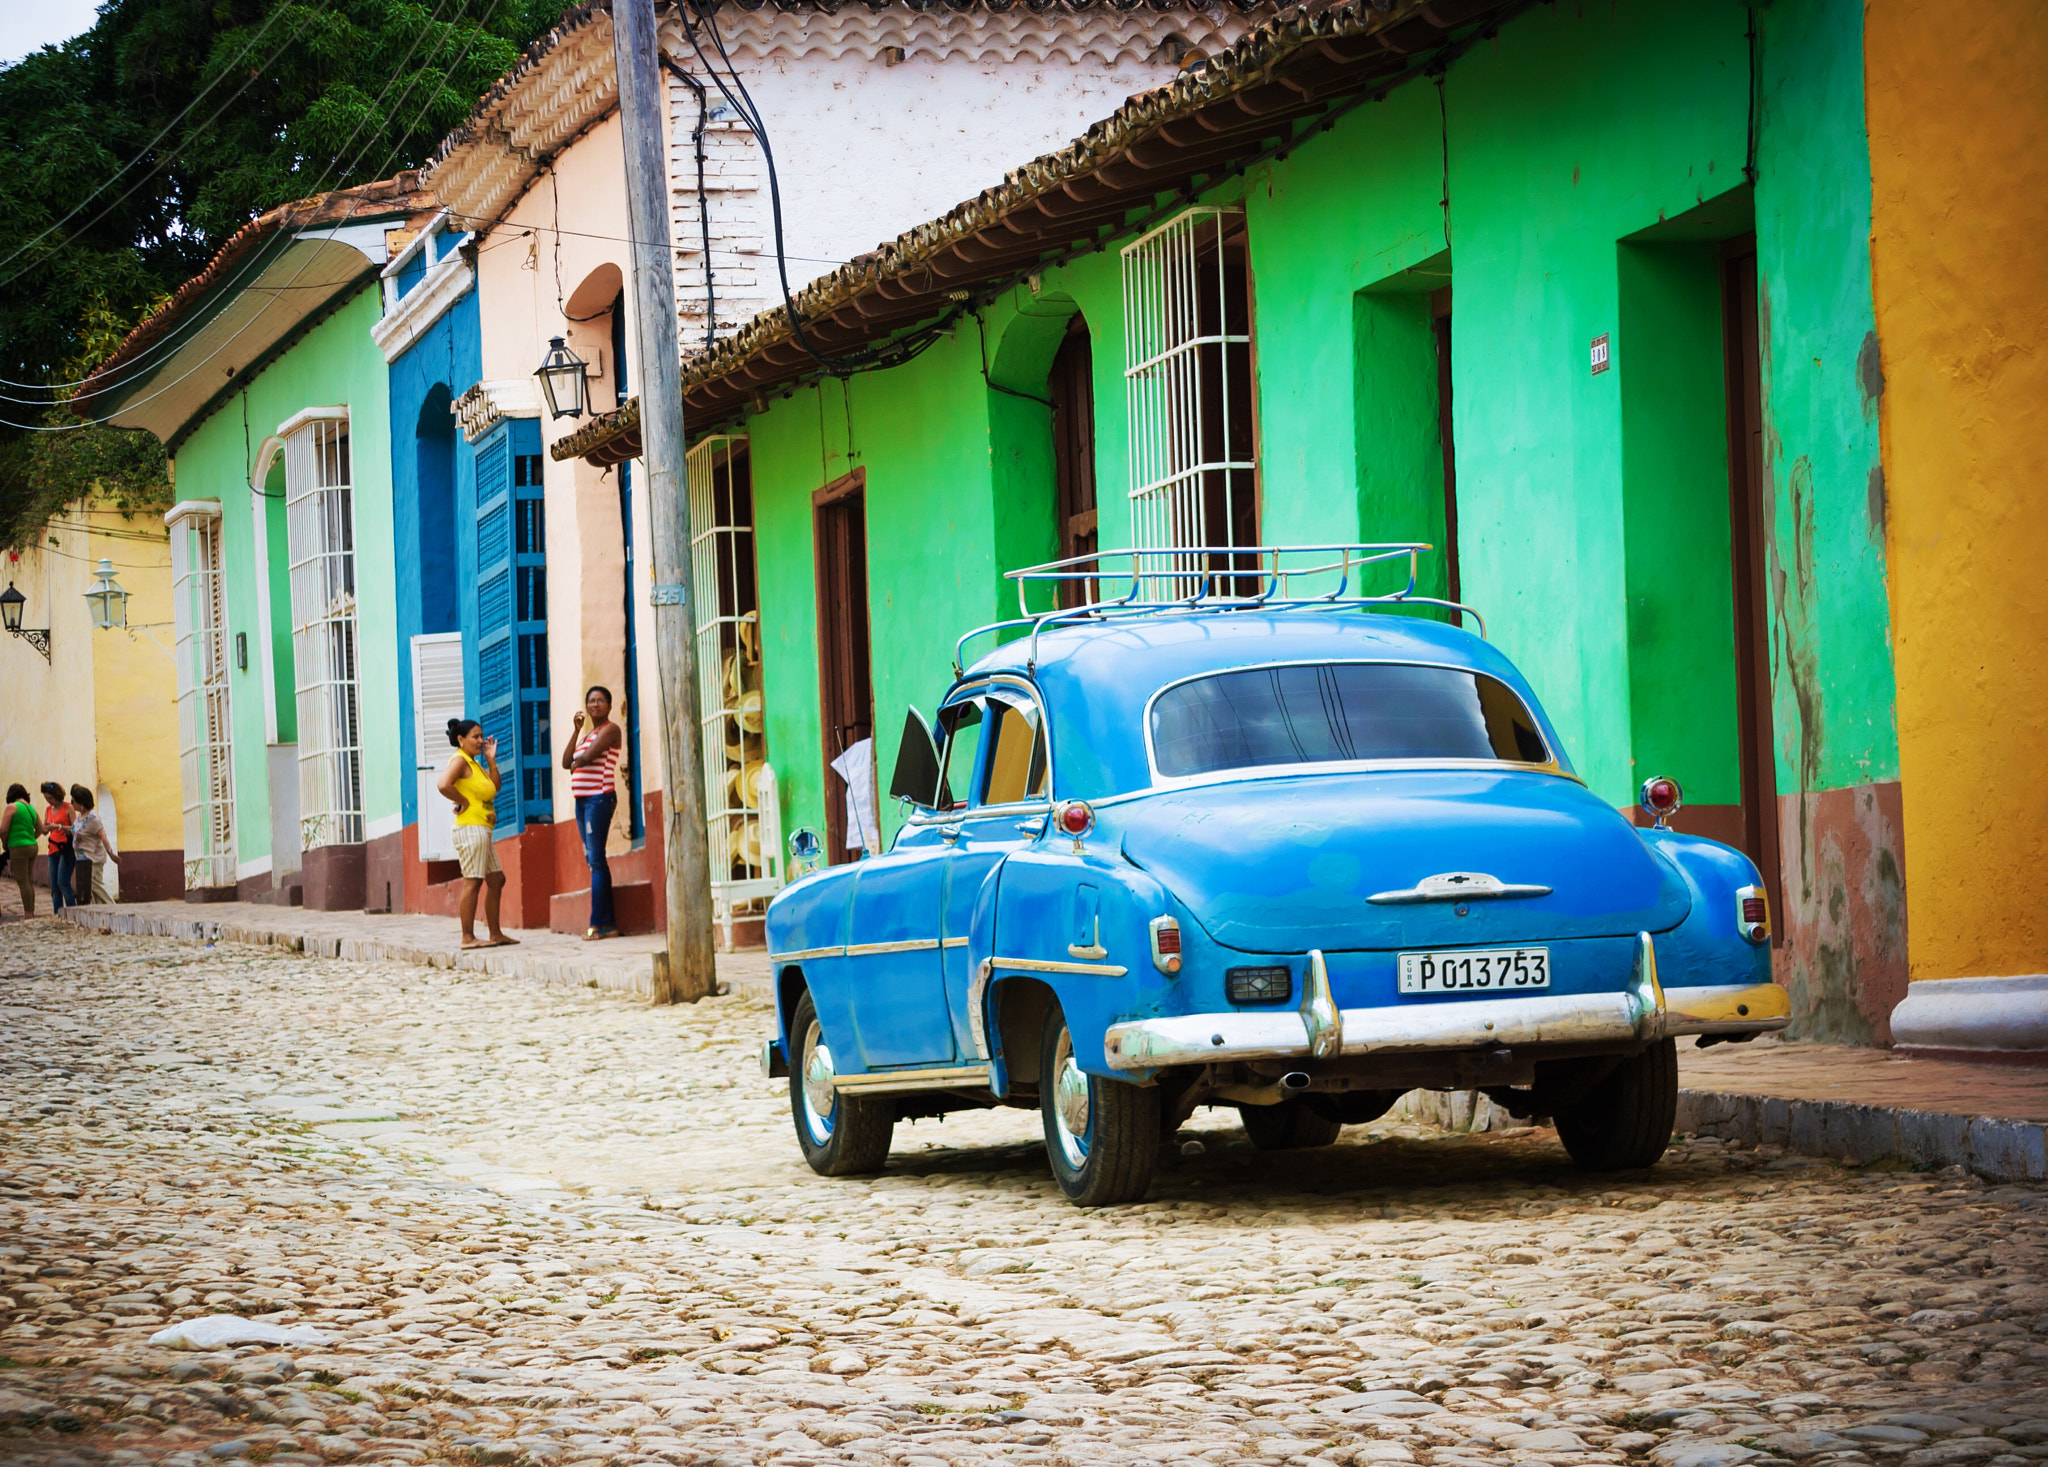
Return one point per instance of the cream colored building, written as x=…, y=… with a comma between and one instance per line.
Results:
x=101, y=710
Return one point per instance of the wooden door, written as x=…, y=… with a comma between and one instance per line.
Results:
x=845, y=684
x=1072, y=388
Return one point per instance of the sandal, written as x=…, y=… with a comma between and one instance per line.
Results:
x=599, y=934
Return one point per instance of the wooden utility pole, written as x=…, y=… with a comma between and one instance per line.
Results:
x=687, y=971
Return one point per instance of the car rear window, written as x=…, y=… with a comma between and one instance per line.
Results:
x=1333, y=712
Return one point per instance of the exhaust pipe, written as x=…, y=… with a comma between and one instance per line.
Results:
x=1294, y=1082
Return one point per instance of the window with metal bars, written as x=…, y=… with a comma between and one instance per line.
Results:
x=739, y=786
x=1189, y=388
x=320, y=543
x=205, y=740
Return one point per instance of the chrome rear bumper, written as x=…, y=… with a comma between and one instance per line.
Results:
x=1644, y=1011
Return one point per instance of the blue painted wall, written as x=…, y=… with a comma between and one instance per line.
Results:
x=429, y=460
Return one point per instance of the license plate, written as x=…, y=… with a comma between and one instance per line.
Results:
x=1480, y=970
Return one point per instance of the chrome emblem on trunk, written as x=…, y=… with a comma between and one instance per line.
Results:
x=1457, y=886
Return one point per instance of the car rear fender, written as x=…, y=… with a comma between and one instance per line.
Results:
x=1708, y=947
x=1079, y=927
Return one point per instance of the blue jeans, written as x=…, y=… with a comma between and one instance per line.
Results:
x=62, y=864
x=594, y=823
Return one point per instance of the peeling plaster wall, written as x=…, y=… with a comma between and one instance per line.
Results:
x=1958, y=107
x=1843, y=953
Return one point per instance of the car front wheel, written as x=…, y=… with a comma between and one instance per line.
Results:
x=1101, y=1135
x=1625, y=1121
x=841, y=1135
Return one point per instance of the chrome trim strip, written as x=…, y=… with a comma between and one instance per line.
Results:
x=1036, y=965
x=951, y=1077
x=807, y=952
x=909, y=945
x=1714, y=1009
x=1463, y=1024
x=952, y=942
x=1457, y=886
x=1320, y=1019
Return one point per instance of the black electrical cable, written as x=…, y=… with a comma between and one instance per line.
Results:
x=330, y=230
x=743, y=103
x=703, y=201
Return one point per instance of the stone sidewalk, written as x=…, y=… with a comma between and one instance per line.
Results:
x=1860, y=1105
x=623, y=965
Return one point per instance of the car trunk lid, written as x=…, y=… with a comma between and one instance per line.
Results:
x=1284, y=865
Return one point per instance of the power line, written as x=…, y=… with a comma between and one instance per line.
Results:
x=151, y=144
x=331, y=229
x=471, y=219
x=169, y=342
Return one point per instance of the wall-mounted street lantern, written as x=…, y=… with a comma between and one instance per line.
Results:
x=11, y=602
x=109, y=601
x=562, y=380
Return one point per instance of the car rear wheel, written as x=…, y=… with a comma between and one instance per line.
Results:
x=841, y=1135
x=1288, y=1126
x=1102, y=1136
x=1625, y=1121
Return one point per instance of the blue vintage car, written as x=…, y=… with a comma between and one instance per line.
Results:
x=1224, y=841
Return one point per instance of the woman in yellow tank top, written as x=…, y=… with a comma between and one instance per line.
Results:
x=471, y=782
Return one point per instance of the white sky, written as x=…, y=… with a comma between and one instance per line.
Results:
x=29, y=25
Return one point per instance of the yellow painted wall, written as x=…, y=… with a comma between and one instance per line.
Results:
x=103, y=711
x=135, y=690
x=1958, y=119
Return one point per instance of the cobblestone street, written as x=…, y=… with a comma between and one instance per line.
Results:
x=557, y=1227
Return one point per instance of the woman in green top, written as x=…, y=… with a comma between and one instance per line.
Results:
x=22, y=826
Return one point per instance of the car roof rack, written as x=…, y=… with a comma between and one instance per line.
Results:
x=1195, y=579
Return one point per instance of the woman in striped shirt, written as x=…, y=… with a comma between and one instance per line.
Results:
x=592, y=758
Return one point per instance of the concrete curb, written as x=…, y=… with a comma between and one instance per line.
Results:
x=633, y=978
x=1999, y=1151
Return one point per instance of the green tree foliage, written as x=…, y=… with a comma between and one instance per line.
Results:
x=131, y=152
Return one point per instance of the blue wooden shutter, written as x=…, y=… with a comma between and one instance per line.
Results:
x=530, y=620
x=497, y=688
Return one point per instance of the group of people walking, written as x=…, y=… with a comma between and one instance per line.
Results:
x=470, y=782
x=77, y=844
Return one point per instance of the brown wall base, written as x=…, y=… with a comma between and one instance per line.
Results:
x=334, y=878
x=384, y=873
x=216, y=893
x=1842, y=944
x=1714, y=822
x=540, y=864
x=152, y=876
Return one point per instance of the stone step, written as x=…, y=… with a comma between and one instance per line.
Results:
x=632, y=902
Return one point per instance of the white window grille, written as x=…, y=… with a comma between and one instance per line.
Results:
x=1187, y=374
x=320, y=533
x=205, y=735
x=740, y=797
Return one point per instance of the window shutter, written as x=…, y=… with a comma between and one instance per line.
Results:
x=437, y=697
x=530, y=620
x=497, y=688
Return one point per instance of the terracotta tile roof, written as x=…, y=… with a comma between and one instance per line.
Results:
x=1259, y=97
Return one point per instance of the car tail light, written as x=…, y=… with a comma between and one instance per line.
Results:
x=1663, y=798
x=1753, y=914
x=1166, y=944
x=1075, y=818
x=1259, y=985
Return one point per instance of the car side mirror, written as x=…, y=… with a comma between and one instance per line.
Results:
x=917, y=763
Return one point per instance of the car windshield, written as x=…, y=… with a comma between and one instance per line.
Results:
x=1336, y=711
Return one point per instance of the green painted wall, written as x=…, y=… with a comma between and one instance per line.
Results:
x=335, y=362
x=1831, y=620
x=1593, y=158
